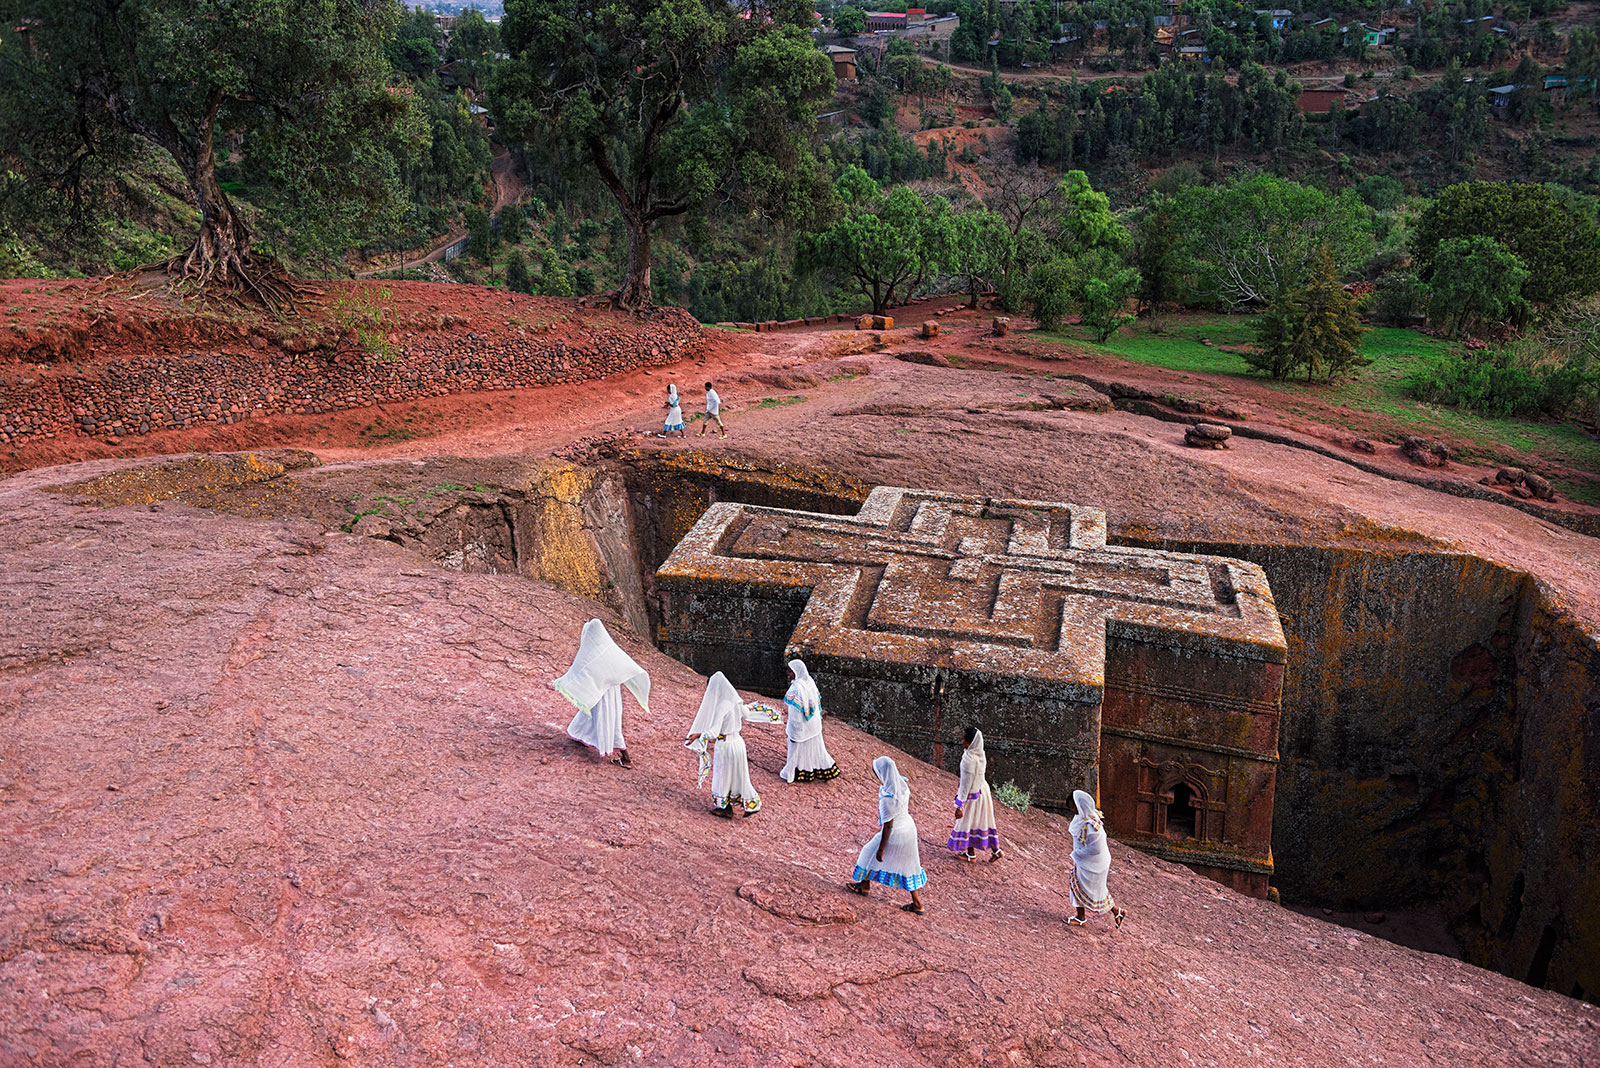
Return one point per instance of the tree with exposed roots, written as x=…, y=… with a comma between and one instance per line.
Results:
x=668, y=103
x=295, y=88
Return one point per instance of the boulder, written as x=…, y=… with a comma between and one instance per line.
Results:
x=1509, y=476
x=1212, y=431
x=1425, y=452
x=1538, y=485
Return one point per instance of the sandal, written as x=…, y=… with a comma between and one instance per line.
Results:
x=1119, y=915
x=909, y=907
x=968, y=857
x=1073, y=921
x=996, y=855
x=619, y=762
x=856, y=888
x=726, y=814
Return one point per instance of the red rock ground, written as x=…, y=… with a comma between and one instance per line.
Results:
x=275, y=796
x=280, y=797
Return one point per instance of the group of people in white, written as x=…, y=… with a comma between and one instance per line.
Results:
x=892, y=857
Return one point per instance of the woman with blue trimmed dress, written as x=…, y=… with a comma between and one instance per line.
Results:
x=892, y=856
x=674, y=413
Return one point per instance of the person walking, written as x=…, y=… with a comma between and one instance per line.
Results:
x=1091, y=862
x=722, y=714
x=975, y=824
x=808, y=756
x=713, y=411
x=674, y=413
x=892, y=856
x=594, y=683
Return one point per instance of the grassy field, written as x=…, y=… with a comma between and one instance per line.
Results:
x=1379, y=390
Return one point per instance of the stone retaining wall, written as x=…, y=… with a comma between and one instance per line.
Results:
x=123, y=397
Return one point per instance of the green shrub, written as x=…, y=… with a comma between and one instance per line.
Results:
x=1399, y=298
x=1011, y=795
x=1496, y=383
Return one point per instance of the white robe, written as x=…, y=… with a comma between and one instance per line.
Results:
x=717, y=728
x=975, y=829
x=1091, y=857
x=594, y=684
x=808, y=759
x=901, y=865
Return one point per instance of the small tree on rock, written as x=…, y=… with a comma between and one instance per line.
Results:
x=1314, y=327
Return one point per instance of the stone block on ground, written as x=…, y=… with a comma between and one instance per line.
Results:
x=930, y=329
x=1001, y=326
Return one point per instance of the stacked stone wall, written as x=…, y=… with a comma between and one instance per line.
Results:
x=118, y=398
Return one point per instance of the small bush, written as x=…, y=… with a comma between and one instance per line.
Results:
x=1011, y=795
x=1399, y=299
x=1495, y=383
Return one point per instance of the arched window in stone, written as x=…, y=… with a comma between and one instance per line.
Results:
x=1179, y=800
x=1181, y=821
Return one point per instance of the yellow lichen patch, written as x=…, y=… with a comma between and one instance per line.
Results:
x=563, y=552
x=202, y=481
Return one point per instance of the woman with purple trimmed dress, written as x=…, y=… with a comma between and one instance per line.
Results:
x=892, y=856
x=975, y=827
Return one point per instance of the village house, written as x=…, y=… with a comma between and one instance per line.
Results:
x=844, y=62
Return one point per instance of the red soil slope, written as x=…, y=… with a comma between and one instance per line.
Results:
x=279, y=798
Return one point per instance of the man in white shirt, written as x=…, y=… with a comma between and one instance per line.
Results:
x=713, y=411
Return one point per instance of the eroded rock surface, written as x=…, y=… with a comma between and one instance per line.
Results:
x=283, y=797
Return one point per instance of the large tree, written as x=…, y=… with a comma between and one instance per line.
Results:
x=883, y=243
x=1256, y=238
x=668, y=102
x=297, y=85
x=1552, y=232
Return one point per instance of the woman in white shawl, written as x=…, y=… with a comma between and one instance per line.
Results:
x=975, y=825
x=1091, y=861
x=594, y=683
x=808, y=757
x=892, y=856
x=674, y=412
x=718, y=722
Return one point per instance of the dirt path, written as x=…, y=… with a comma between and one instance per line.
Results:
x=508, y=186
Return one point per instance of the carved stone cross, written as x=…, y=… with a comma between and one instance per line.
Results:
x=928, y=610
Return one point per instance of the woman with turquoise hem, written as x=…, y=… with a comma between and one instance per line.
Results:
x=892, y=856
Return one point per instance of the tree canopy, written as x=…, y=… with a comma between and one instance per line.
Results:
x=884, y=242
x=1254, y=239
x=1553, y=234
x=301, y=85
x=667, y=103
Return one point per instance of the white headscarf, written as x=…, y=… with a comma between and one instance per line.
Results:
x=1091, y=856
x=599, y=667
x=894, y=796
x=1089, y=819
x=720, y=700
x=804, y=690
x=974, y=767
x=672, y=394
